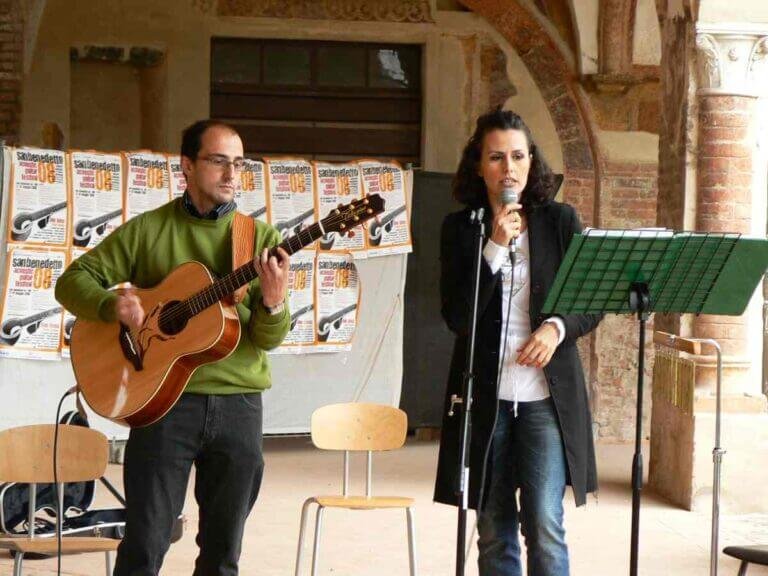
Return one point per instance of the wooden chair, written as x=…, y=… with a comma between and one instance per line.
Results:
x=356, y=427
x=26, y=455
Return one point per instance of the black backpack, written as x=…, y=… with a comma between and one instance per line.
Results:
x=78, y=498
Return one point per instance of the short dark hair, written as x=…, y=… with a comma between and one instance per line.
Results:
x=469, y=187
x=192, y=136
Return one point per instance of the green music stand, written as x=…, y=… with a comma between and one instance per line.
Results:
x=646, y=271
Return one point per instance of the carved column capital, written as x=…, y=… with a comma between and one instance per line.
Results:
x=732, y=60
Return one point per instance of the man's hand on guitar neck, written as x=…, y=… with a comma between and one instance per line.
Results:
x=129, y=310
x=273, y=273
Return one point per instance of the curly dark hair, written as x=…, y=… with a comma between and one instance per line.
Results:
x=469, y=188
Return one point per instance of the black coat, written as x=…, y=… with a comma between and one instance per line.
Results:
x=550, y=229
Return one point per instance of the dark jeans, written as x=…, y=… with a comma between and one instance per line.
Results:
x=528, y=455
x=221, y=436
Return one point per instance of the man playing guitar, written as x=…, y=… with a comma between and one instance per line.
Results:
x=217, y=422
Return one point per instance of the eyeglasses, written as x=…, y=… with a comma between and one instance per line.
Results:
x=223, y=163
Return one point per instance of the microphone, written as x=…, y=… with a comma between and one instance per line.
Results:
x=509, y=196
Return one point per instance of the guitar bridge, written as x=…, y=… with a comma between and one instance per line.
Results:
x=130, y=348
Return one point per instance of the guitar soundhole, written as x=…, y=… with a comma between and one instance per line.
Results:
x=173, y=318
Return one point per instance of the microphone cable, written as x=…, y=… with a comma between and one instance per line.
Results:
x=59, y=503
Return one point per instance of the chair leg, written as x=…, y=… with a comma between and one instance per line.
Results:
x=742, y=568
x=411, y=541
x=108, y=562
x=302, y=530
x=316, y=549
x=18, y=558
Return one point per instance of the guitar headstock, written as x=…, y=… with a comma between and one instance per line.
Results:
x=347, y=216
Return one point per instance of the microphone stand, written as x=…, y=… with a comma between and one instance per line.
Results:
x=476, y=218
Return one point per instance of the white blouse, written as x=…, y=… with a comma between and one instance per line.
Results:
x=518, y=383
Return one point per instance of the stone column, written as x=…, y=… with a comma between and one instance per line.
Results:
x=617, y=22
x=728, y=88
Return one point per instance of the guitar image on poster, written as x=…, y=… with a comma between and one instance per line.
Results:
x=294, y=225
x=376, y=230
x=13, y=329
x=259, y=212
x=298, y=314
x=332, y=322
x=24, y=223
x=86, y=228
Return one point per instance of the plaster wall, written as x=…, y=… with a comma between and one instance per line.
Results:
x=452, y=88
x=646, y=41
x=118, y=89
x=618, y=146
x=717, y=11
x=586, y=16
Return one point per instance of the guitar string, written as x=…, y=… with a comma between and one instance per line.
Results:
x=179, y=310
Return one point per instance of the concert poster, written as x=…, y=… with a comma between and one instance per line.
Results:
x=390, y=233
x=177, y=179
x=30, y=317
x=251, y=193
x=147, y=182
x=301, y=300
x=68, y=319
x=38, y=210
x=291, y=195
x=97, y=196
x=339, y=184
x=337, y=298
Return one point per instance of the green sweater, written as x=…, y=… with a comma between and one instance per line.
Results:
x=144, y=251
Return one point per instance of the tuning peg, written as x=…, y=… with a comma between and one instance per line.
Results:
x=365, y=200
x=369, y=211
x=343, y=226
x=340, y=206
x=356, y=218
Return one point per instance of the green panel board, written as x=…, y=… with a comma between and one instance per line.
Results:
x=687, y=272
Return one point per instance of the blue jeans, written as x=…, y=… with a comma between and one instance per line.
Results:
x=220, y=436
x=527, y=454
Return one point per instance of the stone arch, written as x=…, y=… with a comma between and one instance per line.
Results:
x=557, y=81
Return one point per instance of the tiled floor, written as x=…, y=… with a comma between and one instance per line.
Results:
x=672, y=541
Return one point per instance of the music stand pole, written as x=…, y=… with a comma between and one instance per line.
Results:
x=639, y=301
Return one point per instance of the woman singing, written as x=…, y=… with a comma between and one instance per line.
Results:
x=531, y=425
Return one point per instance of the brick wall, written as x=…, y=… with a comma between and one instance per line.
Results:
x=628, y=199
x=614, y=401
x=11, y=39
x=724, y=176
x=579, y=191
x=629, y=195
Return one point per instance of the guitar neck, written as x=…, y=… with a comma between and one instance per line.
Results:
x=227, y=285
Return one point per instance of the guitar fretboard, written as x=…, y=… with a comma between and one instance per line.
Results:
x=226, y=285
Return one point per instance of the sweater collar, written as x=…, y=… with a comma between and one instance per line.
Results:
x=213, y=214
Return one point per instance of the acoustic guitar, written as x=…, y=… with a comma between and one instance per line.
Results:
x=134, y=377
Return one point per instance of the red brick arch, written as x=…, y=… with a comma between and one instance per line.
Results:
x=557, y=80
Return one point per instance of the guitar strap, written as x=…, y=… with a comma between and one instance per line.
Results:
x=243, y=230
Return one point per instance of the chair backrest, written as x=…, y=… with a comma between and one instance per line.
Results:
x=359, y=426
x=26, y=454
